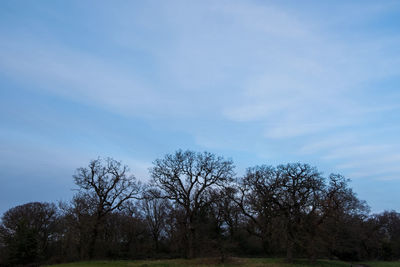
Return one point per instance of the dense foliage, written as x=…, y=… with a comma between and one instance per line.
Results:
x=196, y=206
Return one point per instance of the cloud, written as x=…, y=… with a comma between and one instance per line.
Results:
x=357, y=155
x=312, y=82
x=243, y=61
x=139, y=168
x=76, y=75
x=357, y=151
x=328, y=143
x=294, y=72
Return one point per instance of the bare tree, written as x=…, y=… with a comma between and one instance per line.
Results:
x=111, y=185
x=77, y=222
x=302, y=186
x=288, y=192
x=26, y=232
x=187, y=178
x=342, y=212
x=257, y=197
x=155, y=211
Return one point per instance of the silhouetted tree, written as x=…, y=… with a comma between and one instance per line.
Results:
x=78, y=220
x=343, y=214
x=110, y=185
x=388, y=224
x=155, y=211
x=187, y=178
x=257, y=198
x=301, y=186
x=287, y=193
x=27, y=231
x=193, y=206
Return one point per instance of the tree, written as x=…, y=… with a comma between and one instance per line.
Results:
x=342, y=219
x=221, y=222
x=301, y=187
x=155, y=211
x=77, y=225
x=187, y=178
x=256, y=195
x=288, y=193
x=26, y=232
x=109, y=183
x=389, y=228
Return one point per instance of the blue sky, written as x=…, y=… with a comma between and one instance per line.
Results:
x=261, y=82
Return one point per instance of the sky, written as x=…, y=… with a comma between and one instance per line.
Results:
x=259, y=82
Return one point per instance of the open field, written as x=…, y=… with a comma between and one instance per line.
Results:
x=259, y=262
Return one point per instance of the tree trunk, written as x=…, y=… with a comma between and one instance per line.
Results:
x=81, y=246
x=156, y=241
x=92, y=244
x=289, y=249
x=191, y=237
x=312, y=253
x=265, y=245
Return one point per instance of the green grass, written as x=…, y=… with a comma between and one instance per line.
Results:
x=213, y=262
x=383, y=263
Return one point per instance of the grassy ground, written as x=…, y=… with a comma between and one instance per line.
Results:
x=234, y=262
x=383, y=263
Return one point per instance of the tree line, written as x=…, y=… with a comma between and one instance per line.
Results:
x=196, y=206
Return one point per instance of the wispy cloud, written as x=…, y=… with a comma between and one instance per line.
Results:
x=312, y=82
x=328, y=143
x=77, y=75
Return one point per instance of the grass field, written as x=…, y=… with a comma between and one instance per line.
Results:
x=230, y=263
